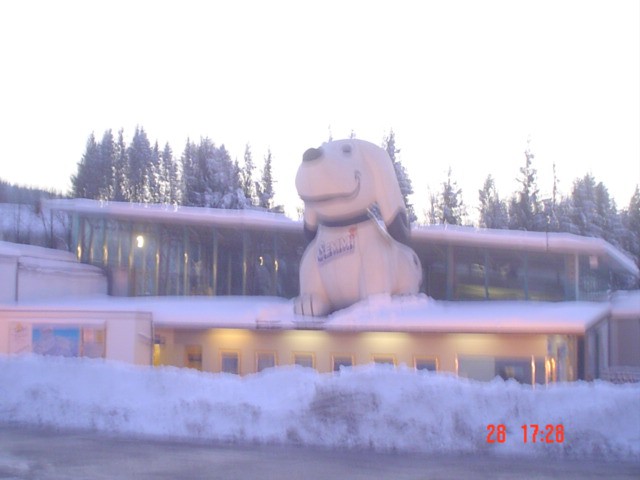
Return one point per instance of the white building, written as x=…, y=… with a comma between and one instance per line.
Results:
x=211, y=290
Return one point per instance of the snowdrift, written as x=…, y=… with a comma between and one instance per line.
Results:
x=373, y=407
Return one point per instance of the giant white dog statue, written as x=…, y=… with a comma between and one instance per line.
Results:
x=352, y=255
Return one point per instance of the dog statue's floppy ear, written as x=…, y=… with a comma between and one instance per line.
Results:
x=310, y=223
x=388, y=194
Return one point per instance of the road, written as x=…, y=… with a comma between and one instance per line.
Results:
x=28, y=453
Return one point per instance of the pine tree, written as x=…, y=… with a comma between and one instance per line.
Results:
x=448, y=207
x=119, y=175
x=630, y=218
x=564, y=214
x=140, y=158
x=211, y=179
x=265, y=187
x=246, y=173
x=584, y=214
x=550, y=208
x=525, y=209
x=190, y=176
x=173, y=193
x=431, y=214
x=155, y=185
x=389, y=144
x=226, y=190
x=104, y=169
x=85, y=183
x=493, y=211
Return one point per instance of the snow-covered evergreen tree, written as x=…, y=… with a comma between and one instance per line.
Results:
x=493, y=210
x=585, y=215
x=156, y=184
x=85, y=183
x=140, y=156
x=104, y=169
x=431, y=215
x=630, y=219
x=120, y=173
x=210, y=177
x=406, y=188
x=191, y=188
x=525, y=208
x=246, y=174
x=265, y=186
x=171, y=175
x=448, y=207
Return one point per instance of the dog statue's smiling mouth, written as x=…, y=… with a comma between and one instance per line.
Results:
x=335, y=196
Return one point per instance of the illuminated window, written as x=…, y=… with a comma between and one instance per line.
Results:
x=341, y=361
x=384, y=359
x=193, y=356
x=486, y=368
x=304, y=359
x=265, y=360
x=93, y=342
x=230, y=362
x=519, y=369
x=426, y=363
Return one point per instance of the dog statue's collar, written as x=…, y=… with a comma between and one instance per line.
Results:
x=345, y=222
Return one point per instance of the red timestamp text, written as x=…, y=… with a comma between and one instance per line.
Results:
x=531, y=433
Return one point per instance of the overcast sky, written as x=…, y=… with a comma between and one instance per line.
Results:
x=463, y=84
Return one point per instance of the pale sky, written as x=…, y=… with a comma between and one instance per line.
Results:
x=463, y=84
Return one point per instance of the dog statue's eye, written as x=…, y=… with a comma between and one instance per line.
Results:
x=346, y=149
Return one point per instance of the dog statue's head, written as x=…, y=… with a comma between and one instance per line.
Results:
x=343, y=179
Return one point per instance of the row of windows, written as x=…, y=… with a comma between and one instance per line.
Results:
x=230, y=360
x=526, y=370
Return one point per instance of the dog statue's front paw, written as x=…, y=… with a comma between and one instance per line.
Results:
x=311, y=305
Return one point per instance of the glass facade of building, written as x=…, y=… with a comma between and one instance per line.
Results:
x=174, y=257
x=156, y=258
x=463, y=272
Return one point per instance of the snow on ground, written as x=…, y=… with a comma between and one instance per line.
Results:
x=375, y=407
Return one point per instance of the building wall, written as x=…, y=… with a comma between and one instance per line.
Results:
x=445, y=350
x=120, y=336
x=8, y=275
x=34, y=273
x=625, y=336
x=39, y=284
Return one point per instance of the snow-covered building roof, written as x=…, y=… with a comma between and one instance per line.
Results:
x=626, y=304
x=384, y=314
x=551, y=242
x=248, y=218
x=9, y=249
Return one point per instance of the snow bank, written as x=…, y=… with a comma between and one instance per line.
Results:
x=376, y=407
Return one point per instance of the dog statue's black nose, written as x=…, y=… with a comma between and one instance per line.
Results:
x=312, y=154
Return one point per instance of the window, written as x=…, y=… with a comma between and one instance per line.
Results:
x=486, y=368
x=265, y=360
x=304, y=359
x=384, y=359
x=546, y=278
x=505, y=275
x=230, y=362
x=519, y=369
x=193, y=354
x=340, y=361
x=425, y=363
